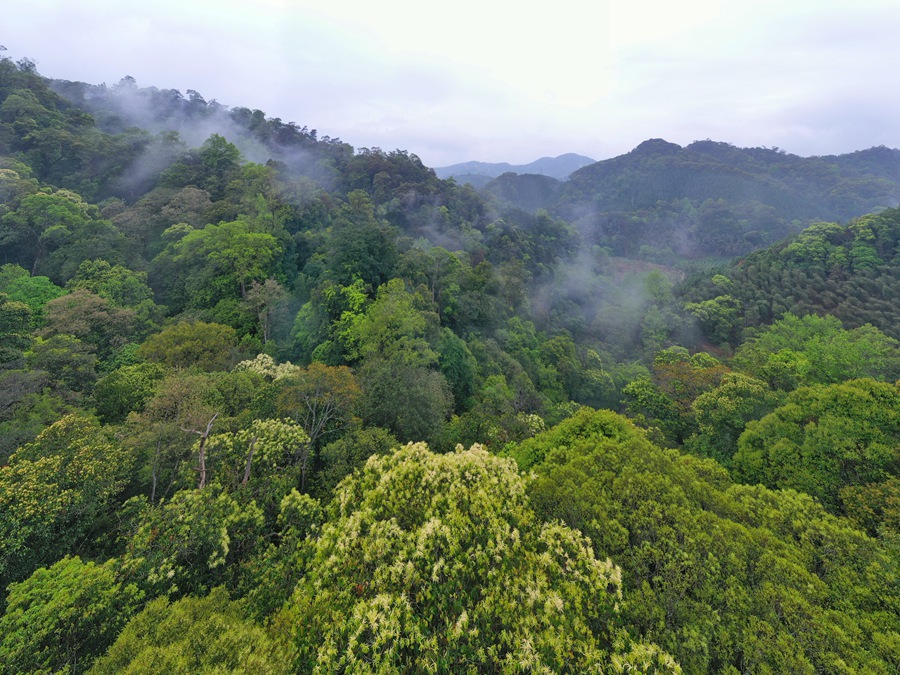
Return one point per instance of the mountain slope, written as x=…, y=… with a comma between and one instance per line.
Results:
x=555, y=167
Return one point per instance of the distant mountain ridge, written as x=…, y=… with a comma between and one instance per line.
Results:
x=665, y=202
x=555, y=167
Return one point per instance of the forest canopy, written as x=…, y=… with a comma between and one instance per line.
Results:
x=272, y=403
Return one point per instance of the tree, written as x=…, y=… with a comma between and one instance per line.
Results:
x=268, y=459
x=725, y=577
x=91, y=319
x=264, y=299
x=797, y=351
x=719, y=318
x=200, y=268
x=63, y=617
x=121, y=286
x=192, y=344
x=126, y=390
x=360, y=247
x=35, y=292
x=194, y=635
x=56, y=494
x=322, y=399
x=41, y=224
x=435, y=563
x=411, y=401
x=824, y=439
x=723, y=413
x=189, y=543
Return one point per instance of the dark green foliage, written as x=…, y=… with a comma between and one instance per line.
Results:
x=713, y=199
x=850, y=272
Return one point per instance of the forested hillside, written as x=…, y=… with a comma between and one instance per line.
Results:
x=272, y=403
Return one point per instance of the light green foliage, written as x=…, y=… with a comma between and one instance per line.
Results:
x=61, y=618
x=719, y=318
x=56, y=494
x=191, y=542
x=266, y=460
x=435, y=563
x=723, y=413
x=126, y=390
x=35, y=292
x=266, y=366
x=120, y=285
x=206, y=636
x=825, y=438
x=192, y=344
x=727, y=578
x=812, y=349
x=215, y=264
x=394, y=326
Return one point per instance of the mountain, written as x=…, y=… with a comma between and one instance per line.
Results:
x=555, y=167
x=663, y=201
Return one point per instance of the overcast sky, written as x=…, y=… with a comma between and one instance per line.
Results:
x=495, y=81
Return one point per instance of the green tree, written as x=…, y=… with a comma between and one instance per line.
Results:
x=126, y=390
x=435, y=563
x=43, y=223
x=192, y=344
x=719, y=318
x=194, y=635
x=62, y=618
x=219, y=263
x=90, y=318
x=812, y=349
x=723, y=413
x=725, y=577
x=57, y=494
x=825, y=438
x=191, y=542
x=35, y=292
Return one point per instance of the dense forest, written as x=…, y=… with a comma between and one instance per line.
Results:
x=271, y=403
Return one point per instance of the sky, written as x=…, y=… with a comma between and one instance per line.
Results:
x=495, y=80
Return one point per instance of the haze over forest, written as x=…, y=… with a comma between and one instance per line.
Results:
x=271, y=402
